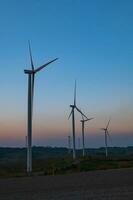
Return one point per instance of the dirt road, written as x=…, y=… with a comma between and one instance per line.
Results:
x=96, y=185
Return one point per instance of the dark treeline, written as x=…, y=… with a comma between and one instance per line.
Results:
x=8, y=153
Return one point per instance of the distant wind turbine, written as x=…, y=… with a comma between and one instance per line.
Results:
x=79, y=143
x=106, y=137
x=31, y=78
x=83, y=127
x=69, y=144
x=74, y=106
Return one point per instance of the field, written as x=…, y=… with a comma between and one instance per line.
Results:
x=94, y=185
x=55, y=161
x=57, y=177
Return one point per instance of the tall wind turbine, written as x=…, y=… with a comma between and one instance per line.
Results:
x=106, y=137
x=83, y=127
x=31, y=78
x=73, y=107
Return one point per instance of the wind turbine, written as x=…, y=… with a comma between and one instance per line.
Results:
x=79, y=143
x=69, y=144
x=106, y=137
x=73, y=107
x=83, y=127
x=31, y=78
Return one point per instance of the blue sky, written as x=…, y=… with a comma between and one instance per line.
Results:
x=94, y=43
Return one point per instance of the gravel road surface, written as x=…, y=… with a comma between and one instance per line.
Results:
x=94, y=185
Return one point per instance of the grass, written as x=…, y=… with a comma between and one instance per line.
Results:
x=65, y=166
x=52, y=161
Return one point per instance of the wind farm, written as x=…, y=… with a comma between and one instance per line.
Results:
x=66, y=128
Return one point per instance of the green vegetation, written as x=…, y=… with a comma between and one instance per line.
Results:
x=51, y=161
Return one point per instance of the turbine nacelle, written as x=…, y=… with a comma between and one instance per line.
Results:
x=86, y=120
x=104, y=129
x=72, y=106
x=27, y=71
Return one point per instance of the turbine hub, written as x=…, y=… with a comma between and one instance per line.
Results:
x=27, y=71
x=72, y=106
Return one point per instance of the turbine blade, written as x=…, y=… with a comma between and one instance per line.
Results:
x=31, y=59
x=108, y=133
x=88, y=119
x=102, y=129
x=108, y=124
x=70, y=114
x=80, y=112
x=75, y=87
x=40, y=68
x=109, y=136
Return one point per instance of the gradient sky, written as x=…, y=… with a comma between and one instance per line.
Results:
x=94, y=42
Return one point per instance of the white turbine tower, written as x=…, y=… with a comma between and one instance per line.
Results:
x=106, y=137
x=73, y=120
x=31, y=77
x=83, y=137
